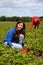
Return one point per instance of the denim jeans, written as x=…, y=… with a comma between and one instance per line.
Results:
x=17, y=45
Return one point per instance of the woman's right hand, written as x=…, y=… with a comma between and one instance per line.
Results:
x=12, y=46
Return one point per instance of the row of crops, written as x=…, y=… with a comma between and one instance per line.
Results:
x=34, y=41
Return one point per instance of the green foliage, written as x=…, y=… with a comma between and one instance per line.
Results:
x=34, y=40
x=14, y=18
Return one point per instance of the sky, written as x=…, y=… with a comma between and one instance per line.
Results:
x=21, y=8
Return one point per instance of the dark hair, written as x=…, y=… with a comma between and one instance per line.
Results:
x=18, y=32
x=23, y=29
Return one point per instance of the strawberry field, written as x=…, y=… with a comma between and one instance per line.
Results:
x=34, y=41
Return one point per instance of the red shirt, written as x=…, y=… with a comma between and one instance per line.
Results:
x=32, y=22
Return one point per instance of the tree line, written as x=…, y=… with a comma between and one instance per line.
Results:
x=15, y=18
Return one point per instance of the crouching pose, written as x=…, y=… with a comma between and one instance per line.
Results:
x=14, y=37
x=35, y=22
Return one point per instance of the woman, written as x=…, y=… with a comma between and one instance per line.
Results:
x=14, y=37
x=35, y=22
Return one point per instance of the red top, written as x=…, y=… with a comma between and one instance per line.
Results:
x=32, y=22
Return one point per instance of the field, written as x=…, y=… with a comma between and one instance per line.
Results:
x=34, y=40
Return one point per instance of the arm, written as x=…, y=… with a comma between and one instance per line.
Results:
x=31, y=25
x=38, y=21
x=8, y=37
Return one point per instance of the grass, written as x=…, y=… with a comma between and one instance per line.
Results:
x=34, y=40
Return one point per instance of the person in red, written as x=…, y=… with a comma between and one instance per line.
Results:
x=35, y=21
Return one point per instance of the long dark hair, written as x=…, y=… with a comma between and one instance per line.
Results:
x=17, y=33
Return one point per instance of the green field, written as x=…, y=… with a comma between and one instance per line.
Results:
x=34, y=40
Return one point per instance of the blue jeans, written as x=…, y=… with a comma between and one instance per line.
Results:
x=17, y=45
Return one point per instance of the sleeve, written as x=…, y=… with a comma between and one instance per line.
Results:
x=31, y=25
x=38, y=21
x=8, y=37
x=10, y=43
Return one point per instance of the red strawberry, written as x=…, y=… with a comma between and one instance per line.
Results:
x=24, y=50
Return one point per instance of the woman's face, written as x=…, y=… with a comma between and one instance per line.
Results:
x=20, y=26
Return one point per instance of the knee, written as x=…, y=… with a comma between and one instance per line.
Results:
x=21, y=36
x=5, y=43
x=20, y=47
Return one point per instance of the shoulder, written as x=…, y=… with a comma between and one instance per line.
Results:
x=12, y=29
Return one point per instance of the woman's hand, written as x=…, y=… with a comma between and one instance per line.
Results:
x=12, y=46
x=25, y=45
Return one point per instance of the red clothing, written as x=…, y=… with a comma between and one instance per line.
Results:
x=33, y=23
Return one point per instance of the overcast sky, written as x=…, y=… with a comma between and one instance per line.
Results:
x=21, y=7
